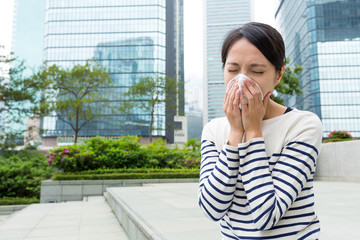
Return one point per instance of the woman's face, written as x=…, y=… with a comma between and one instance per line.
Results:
x=243, y=57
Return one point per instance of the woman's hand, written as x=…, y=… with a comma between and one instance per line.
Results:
x=233, y=114
x=252, y=112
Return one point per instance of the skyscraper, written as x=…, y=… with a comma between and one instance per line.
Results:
x=323, y=36
x=133, y=39
x=219, y=18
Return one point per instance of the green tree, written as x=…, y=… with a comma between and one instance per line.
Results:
x=290, y=83
x=79, y=94
x=148, y=94
x=193, y=144
x=20, y=98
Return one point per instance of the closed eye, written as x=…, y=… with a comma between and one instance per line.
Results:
x=230, y=70
x=258, y=72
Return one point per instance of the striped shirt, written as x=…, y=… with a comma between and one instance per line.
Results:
x=262, y=189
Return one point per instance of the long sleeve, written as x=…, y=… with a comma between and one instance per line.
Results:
x=218, y=177
x=271, y=193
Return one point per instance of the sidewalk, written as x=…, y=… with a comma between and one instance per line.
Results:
x=338, y=207
x=171, y=211
x=91, y=220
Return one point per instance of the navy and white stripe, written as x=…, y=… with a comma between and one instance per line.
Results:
x=259, y=197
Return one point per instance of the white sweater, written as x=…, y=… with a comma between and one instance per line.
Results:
x=262, y=189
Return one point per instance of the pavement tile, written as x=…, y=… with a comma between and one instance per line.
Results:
x=169, y=208
x=64, y=221
x=172, y=210
x=121, y=235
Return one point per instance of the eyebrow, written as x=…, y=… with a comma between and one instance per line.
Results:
x=232, y=63
x=257, y=65
x=251, y=65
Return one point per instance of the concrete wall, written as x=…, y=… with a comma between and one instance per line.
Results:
x=339, y=161
x=60, y=191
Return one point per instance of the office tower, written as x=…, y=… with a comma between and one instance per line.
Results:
x=323, y=36
x=219, y=18
x=133, y=39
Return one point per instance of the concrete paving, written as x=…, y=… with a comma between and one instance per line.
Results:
x=3, y=218
x=162, y=211
x=82, y=220
x=169, y=211
x=338, y=208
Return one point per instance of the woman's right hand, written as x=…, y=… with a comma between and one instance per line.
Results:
x=233, y=114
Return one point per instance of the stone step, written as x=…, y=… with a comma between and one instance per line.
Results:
x=161, y=211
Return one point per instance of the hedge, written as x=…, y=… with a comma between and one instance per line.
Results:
x=102, y=174
x=338, y=140
x=125, y=176
x=133, y=170
x=18, y=201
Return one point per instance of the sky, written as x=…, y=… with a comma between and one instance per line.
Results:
x=264, y=11
x=6, y=16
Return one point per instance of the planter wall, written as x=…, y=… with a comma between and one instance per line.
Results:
x=339, y=161
x=60, y=191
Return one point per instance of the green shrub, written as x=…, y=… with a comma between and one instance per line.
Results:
x=161, y=156
x=125, y=152
x=21, y=174
x=70, y=158
x=339, y=134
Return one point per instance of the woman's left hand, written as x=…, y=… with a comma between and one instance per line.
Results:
x=252, y=112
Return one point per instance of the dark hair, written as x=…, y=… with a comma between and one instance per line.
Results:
x=265, y=38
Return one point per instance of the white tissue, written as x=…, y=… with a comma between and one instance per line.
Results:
x=239, y=79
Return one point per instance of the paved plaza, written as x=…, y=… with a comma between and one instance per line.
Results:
x=82, y=220
x=171, y=211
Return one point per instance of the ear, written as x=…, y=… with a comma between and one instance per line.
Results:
x=279, y=75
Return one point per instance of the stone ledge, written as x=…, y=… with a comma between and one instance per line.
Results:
x=339, y=161
x=60, y=191
x=136, y=228
x=9, y=209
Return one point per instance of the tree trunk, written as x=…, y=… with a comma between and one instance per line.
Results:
x=76, y=125
x=76, y=136
x=151, y=124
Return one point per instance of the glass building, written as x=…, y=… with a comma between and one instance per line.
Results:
x=323, y=36
x=133, y=39
x=220, y=17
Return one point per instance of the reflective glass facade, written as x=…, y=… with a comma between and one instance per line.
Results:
x=131, y=38
x=323, y=36
x=220, y=18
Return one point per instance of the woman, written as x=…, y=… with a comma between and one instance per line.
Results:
x=258, y=162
